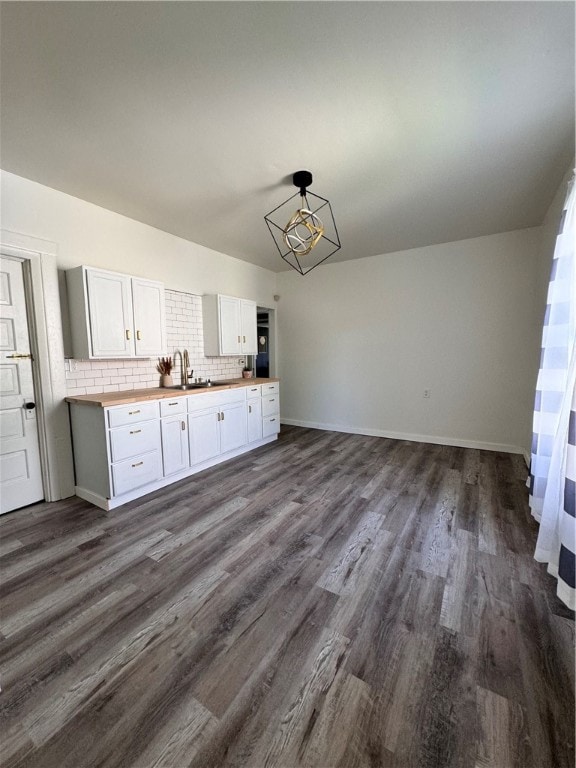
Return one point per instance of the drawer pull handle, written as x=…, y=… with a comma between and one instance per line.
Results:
x=272, y=419
x=249, y=409
x=135, y=431
x=253, y=389
x=183, y=426
x=132, y=413
x=172, y=403
x=127, y=334
x=271, y=399
x=139, y=335
x=222, y=417
x=139, y=464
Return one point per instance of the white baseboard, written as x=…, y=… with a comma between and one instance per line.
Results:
x=455, y=441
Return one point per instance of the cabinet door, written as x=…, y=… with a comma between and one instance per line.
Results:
x=230, y=320
x=254, y=420
x=110, y=314
x=149, y=317
x=203, y=435
x=175, y=449
x=249, y=327
x=233, y=427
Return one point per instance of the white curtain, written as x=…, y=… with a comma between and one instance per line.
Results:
x=553, y=466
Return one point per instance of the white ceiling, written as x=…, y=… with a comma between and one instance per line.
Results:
x=421, y=122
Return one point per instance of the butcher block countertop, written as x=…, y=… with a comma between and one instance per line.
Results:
x=106, y=399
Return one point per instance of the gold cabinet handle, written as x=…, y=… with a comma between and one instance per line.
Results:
x=239, y=339
x=249, y=409
x=135, y=431
x=18, y=356
x=138, y=464
x=183, y=426
x=132, y=413
x=127, y=334
x=222, y=416
x=172, y=403
x=218, y=416
x=244, y=337
x=139, y=335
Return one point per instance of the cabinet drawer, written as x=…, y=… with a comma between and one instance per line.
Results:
x=270, y=405
x=215, y=399
x=141, y=470
x=173, y=407
x=130, y=414
x=134, y=439
x=274, y=386
x=270, y=426
x=253, y=392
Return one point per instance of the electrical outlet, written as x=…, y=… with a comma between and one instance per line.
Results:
x=426, y=393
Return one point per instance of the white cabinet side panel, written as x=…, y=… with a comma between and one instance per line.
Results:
x=90, y=449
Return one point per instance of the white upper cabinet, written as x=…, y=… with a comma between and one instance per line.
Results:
x=229, y=326
x=109, y=314
x=149, y=317
x=114, y=315
x=249, y=327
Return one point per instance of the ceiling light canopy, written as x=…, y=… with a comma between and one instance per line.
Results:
x=307, y=236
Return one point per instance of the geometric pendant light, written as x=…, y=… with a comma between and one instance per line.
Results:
x=305, y=232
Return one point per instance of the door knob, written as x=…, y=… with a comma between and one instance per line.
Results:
x=29, y=406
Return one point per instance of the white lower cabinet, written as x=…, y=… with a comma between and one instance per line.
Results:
x=204, y=435
x=174, y=429
x=270, y=409
x=233, y=427
x=136, y=472
x=133, y=440
x=254, y=413
x=175, y=453
x=218, y=429
x=123, y=452
x=254, y=420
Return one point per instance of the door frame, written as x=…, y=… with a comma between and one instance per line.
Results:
x=272, y=339
x=38, y=259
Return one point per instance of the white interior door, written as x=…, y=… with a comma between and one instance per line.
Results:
x=20, y=468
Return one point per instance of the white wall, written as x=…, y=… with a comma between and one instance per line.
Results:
x=359, y=341
x=87, y=234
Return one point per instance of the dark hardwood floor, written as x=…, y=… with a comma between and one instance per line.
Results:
x=329, y=600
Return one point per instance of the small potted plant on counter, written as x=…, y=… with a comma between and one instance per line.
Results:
x=247, y=371
x=164, y=368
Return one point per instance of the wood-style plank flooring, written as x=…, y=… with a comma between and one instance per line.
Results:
x=329, y=600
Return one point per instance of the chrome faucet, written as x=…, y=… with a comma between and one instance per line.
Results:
x=184, y=362
x=185, y=367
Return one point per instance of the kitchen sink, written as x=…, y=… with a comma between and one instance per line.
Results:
x=200, y=385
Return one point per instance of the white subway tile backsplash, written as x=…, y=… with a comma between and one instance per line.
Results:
x=184, y=331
